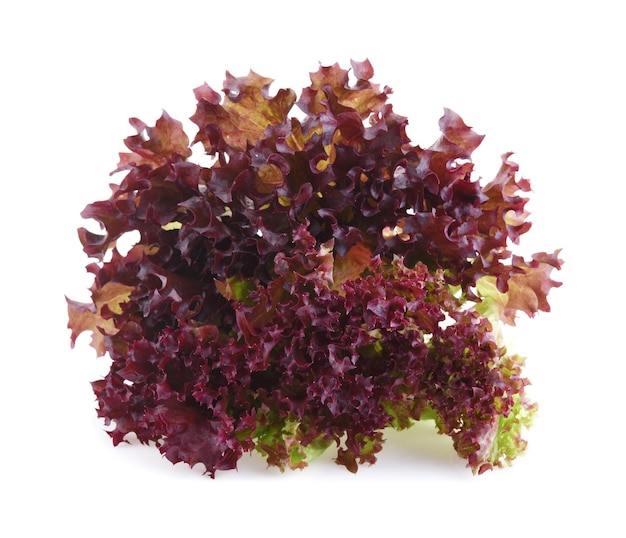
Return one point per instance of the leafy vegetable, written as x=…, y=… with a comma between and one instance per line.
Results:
x=321, y=281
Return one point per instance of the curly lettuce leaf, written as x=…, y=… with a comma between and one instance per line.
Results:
x=97, y=317
x=527, y=291
x=243, y=116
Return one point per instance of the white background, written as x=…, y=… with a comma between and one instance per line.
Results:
x=543, y=79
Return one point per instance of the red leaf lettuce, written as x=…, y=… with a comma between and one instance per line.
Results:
x=322, y=280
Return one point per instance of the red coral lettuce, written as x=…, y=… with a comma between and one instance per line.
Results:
x=323, y=280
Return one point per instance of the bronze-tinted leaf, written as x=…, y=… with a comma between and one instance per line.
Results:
x=247, y=110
